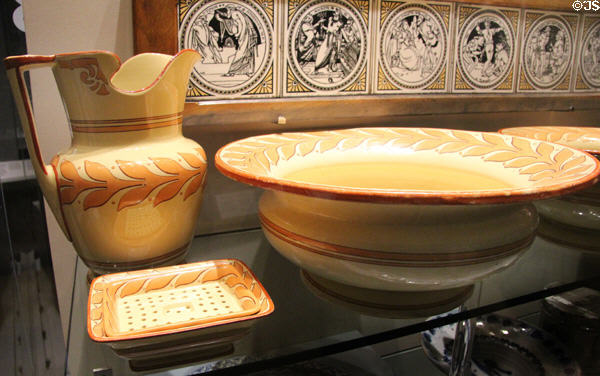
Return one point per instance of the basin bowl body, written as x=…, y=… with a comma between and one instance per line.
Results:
x=403, y=209
x=401, y=247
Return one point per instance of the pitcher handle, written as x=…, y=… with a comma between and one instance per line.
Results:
x=16, y=66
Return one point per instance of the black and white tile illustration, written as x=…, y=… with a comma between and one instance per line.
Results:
x=588, y=59
x=412, y=47
x=326, y=47
x=485, y=49
x=237, y=41
x=547, y=51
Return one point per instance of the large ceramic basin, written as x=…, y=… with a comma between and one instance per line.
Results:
x=405, y=209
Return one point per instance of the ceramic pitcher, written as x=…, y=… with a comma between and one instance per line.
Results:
x=127, y=192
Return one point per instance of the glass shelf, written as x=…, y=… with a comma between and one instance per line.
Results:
x=310, y=322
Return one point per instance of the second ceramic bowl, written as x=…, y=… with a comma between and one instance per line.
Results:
x=581, y=209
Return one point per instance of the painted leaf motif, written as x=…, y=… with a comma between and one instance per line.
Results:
x=272, y=156
x=187, y=278
x=441, y=135
x=427, y=145
x=493, y=139
x=131, y=287
x=542, y=175
x=141, y=192
x=562, y=156
x=535, y=168
x=466, y=138
x=573, y=162
x=262, y=160
x=99, y=197
x=286, y=151
x=477, y=151
x=544, y=149
x=134, y=196
x=501, y=156
x=350, y=143
x=199, y=175
x=193, y=160
x=174, y=184
x=168, y=191
x=158, y=283
x=452, y=147
x=520, y=162
x=522, y=145
x=573, y=171
x=72, y=184
x=167, y=165
x=194, y=185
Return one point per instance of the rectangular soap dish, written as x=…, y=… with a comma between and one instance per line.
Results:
x=181, y=298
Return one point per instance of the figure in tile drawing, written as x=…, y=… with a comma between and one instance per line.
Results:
x=485, y=50
x=413, y=49
x=429, y=35
x=327, y=55
x=327, y=45
x=547, y=53
x=501, y=57
x=591, y=56
x=246, y=36
x=205, y=41
x=488, y=33
x=349, y=43
x=307, y=40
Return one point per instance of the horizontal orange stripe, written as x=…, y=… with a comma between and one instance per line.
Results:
x=396, y=259
x=126, y=128
x=128, y=120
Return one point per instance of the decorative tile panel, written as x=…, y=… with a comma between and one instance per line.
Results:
x=412, y=53
x=326, y=47
x=485, y=49
x=547, y=50
x=301, y=48
x=588, y=58
x=238, y=43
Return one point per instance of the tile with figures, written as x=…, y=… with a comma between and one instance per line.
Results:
x=238, y=43
x=326, y=47
x=588, y=58
x=412, y=48
x=547, y=50
x=485, y=49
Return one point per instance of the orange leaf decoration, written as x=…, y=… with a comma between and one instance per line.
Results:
x=142, y=182
x=112, y=185
x=71, y=185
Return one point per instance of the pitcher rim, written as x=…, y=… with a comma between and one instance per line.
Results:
x=16, y=61
x=160, y=75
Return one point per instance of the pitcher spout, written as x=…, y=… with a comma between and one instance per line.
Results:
x=148, y=72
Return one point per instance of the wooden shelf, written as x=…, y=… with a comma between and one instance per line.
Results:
x=361, y=110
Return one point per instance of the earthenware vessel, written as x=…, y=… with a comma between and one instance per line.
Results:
x=408, y=209
x=128, y=190
x=581, y=209
x=176, y=312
